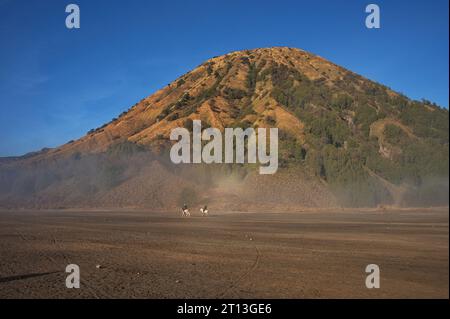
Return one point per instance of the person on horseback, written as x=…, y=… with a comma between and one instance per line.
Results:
x=185, y=211
x=204, y=210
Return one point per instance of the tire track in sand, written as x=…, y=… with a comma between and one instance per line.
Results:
x=242, y=277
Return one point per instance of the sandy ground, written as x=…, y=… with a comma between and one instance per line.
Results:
x=320, y=254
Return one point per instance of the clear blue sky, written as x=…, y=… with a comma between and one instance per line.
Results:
x=56, y=84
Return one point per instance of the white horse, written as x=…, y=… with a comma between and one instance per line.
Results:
x=204, y=211
x=185, y=213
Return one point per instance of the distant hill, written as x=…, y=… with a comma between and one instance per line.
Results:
x=344, y=140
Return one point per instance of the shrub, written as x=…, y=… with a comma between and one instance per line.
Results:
x=234, y=94
x=180, y=82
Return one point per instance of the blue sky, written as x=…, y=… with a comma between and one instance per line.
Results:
x=56, y=83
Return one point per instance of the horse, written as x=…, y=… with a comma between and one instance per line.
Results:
x=204, y=211
x=185, y=213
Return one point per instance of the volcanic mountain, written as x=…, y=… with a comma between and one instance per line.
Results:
x=344, y=140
